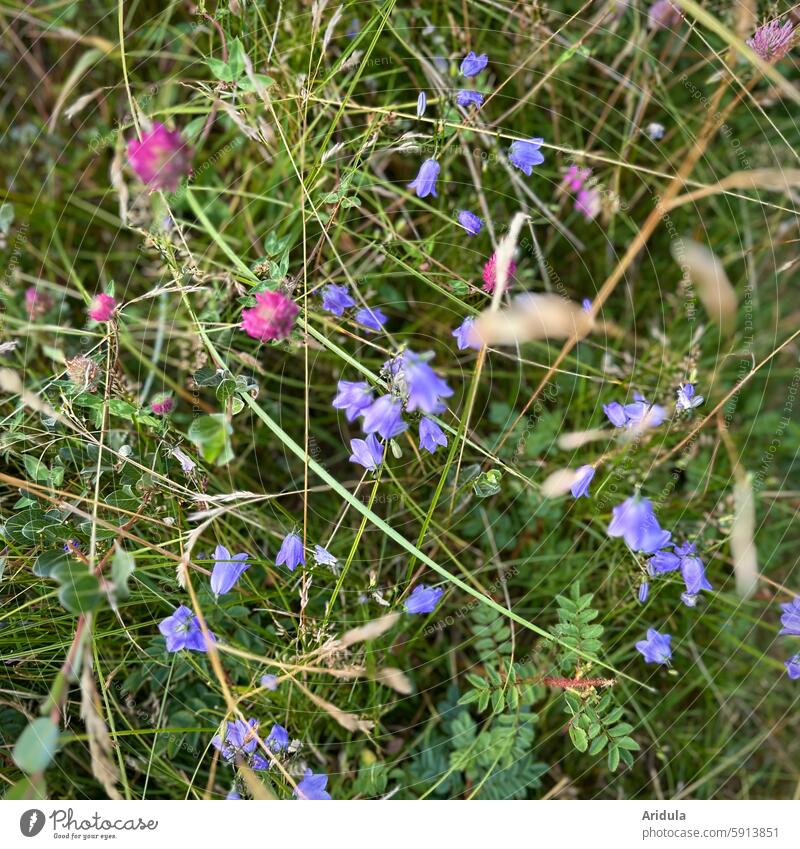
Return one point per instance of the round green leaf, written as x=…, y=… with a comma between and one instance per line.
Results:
x=37, y=745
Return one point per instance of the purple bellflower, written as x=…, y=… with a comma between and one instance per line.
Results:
x=425, y=387
x=525, y=154
x=423, y=599
x=227, y=570
x=384, y=416
x=278, y=739
x=371, y=317
x=644, y=591
x=467, y=97
x=323, y=557
x=311, y=787
x=431, y=436
x=684, y=557
x=656, y=647
x=239, y=743
x=367, y=452
x=583, y=477
x=791, y=618
x=336, y=299
x=639, y=413
x=183, y=631
x=635, y=521
x=472, y=65
x=461, y=333
x=687, y=400
x=793, y=667
x=353, y=398
x=470, y=222
x=269, y=682
x=422, y=102
x=425, y=183
x=291, y=552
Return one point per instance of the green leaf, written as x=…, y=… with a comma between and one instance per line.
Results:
x=598, y=744
x=579, y=738
x=488, y=483
x=80, y=595
x=627, y=743
x=27, y=788
x=220, y=70
x=613, y=758
x=37, y=745
x=246, y=84
x=47, y=561
x=235, y=59
x=211, y=434
x=122, y=567
x=620, y=730
x=36, y=469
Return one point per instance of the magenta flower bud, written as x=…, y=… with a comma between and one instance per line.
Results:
x=102, y=307
x=37, y=303
x=161, y=158
x=772, y=41
x=490, y=274
x=271, y=318
x=162, y=405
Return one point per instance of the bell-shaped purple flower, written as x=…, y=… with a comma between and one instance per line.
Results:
x=291, y=552
x=353, y=398
x=793, y=667
x=239, y=743
x=694, y=575
x=423, y=599
x=472, y=65
x=227, y=570
x=431, y=436
x=312, y=787
x=656, y=647
x=635, y=521
x=644, y=591
x=425, y=387
x=687, y=399
x=462, y=334
x=278, y=739
x=470, y=222
x=664, y=561
x=422, y=103
x=269, y=682
x=372, y=318
x=323, y=557
x=336, y=299
x=384, y=416
x=367, y=452
x=526, y=154
x=642, y=414
x=583, y=477
x=791, y=618
x=466, y=97
x=182, y=631
x=425, y=184
x=615, y=413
